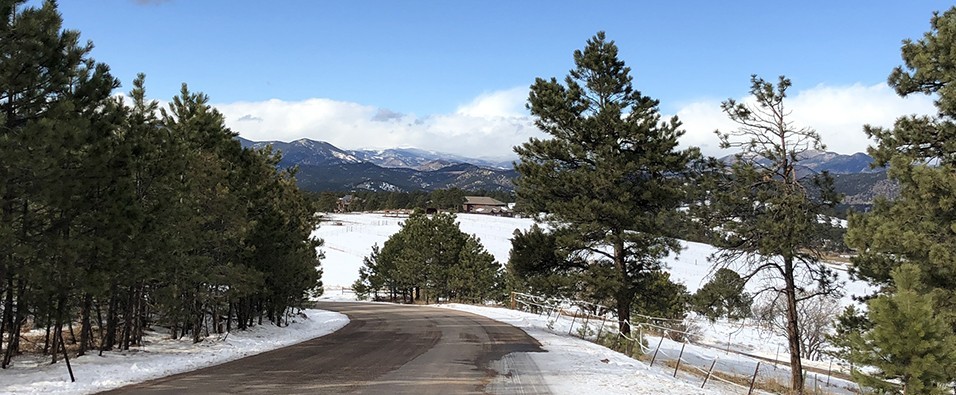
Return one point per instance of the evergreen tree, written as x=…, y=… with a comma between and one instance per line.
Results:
x=55, y=106
x=608, y=178
x=107, y=208
x=917, y=227
x=768, y=215
x=723, y=296
x=662, y=297
x=907, y=341
x=475, y=277
x=429, y=254
x=909, y=242
x=537, y=266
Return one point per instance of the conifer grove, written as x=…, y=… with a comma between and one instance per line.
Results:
x=119, y=214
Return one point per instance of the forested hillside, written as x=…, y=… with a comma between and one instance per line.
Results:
x=117, y=215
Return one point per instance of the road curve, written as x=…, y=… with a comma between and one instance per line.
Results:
x=385, y=349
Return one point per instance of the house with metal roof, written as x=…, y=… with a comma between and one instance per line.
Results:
x=483, y=205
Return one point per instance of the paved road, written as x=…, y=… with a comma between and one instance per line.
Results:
x=385, y=349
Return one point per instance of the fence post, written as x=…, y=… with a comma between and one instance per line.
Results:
x=573, y=317
x=603, y=321
x=658, y=349
x=587, y=318
x=709, y=371
x=679, y=356
x=777, y=357
x=513, y=300
x=829, y=370
x=754, y=379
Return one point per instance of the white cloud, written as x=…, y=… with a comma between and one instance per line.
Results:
x=837, y=113
x=506, y=103
x=492, y=123
x=489, y=126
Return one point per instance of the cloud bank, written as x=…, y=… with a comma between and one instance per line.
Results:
x=836, y=113
x=488, y=126
x=492, y=123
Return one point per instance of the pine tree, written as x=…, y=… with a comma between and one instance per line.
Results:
x=476, y=274
x=723, y=296
x=608, y=177
x=536, y=265
x=430, y=255
x=913, y=237
x=921, y=153
x=908, y=341
x=54, y=128
x=768, y=215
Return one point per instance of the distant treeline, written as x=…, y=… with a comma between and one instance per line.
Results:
x=117, y=215
x=443, y=199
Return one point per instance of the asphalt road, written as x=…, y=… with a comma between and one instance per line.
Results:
x=385, y=349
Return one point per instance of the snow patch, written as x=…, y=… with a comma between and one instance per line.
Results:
x=160, y=357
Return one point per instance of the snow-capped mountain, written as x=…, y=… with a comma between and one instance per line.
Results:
x=820, y=161
x=414, y=158
x=305, y=152
x=325, y=167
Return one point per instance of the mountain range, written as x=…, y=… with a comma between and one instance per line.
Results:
x=325, y=167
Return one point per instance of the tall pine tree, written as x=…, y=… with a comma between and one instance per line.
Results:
x=608, y=178
x=915, y=235
x=768, y=215
x=918, y=227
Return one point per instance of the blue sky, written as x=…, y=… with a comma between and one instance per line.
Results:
x=423, y=73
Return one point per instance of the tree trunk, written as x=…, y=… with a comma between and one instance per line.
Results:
x=199, y=316
x=229, y=318
x=623, y=293
x=99, y=327
x=86, y=327
x=142, y=314
x=13, y=346
x=111, y=322
x=58, y=328
x=6, y=215
x=793, y=330
x=7, y=315
x=129, y=316
x=46, y=336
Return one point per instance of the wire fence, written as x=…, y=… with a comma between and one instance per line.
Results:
x=670, y=344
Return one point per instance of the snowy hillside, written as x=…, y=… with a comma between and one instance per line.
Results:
x=349, y=238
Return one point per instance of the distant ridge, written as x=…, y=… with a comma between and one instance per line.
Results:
x=325, y=167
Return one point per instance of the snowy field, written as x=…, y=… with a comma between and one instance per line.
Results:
x=160, y=357
x=571, y=365
x=349, y=238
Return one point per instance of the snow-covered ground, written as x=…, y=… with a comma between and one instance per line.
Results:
x=160, y=357
x=349, y=238
x=571, y=365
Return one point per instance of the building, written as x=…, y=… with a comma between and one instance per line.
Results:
x=484, y=205
x=345, y=203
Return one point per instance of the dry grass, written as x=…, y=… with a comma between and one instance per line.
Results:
x=770, y=385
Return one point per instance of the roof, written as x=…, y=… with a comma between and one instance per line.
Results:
x=483, y=201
